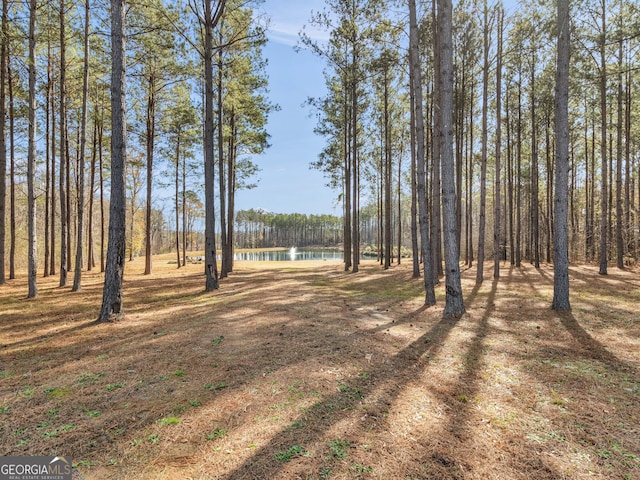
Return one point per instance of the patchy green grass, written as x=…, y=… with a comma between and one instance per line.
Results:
x=169, y=421
x=288, y=455
x=307, y=371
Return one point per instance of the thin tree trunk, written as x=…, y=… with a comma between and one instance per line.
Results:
x=177, y=202
x=436, y=186
x=620, y=251
x=221, y=162
x=31, y=162
x=47, y=195
x=399, y=210
x=470, y=182
x=92, y=181
x=512, y=247
x=497, y=237
x=483, y=166
x=414, y=197
x=100, y=158
x=132, y=206
x=52, y=188
x=387, y=176
x=151, y=137
x=185, y=225
x=347, y=194
x=535, y=214
x=611, y=232
x=77, y=278
x=355, y=197
x=628, y=187
x=588, y=229
x=573, y=214
x=68, y=196
x=519, y=173
x=62, y=188
x=379, y=195
x=210, y=19
x=3, y=144
x=231, y=191
x=414, y=56
x=637, y=223
x=12, y=174
x=604, y=224
x=550, y=167
x=459, y=105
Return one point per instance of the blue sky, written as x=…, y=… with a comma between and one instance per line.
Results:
x=286, y=183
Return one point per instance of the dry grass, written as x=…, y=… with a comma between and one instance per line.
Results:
x=301, y=371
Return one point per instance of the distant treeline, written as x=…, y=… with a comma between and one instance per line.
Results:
x=260, y=229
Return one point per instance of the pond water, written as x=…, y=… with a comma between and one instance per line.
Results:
x=288, y=255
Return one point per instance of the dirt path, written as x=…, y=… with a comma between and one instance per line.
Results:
x=299, y=370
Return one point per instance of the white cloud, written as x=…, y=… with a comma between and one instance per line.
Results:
x=288, y=19
x=288, y=34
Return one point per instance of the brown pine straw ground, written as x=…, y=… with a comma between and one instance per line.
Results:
x=302, y=371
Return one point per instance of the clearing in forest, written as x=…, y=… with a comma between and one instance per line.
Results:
x=300, y=370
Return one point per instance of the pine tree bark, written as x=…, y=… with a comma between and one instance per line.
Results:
x=535, y=211
x=3, y=144
x=210, y=20
x=454, y=304
x=510, y=174
x=469, y=161
x=399, y=209
x=604, y=223
x=561, y=238
x=519, y=172
x=414, y=60
x=588, y=228
x=414, y=197
x=185, y=225
x=628, y=183
x=101, y=168
x=31, y=155
x=52, y=186
x=620, y=250
x=222, y=191
x=112, y=302
x=549, y=194
x=436, y=183
x=497, y=236
x=177, y=201
x=12, y=175
x=483, y=165
x=231, y=192
x=355, y=165
x=150, y=137
x=459, y=105
x=77, y=277
x=387, y=176
x=346, y=185
x=47, y=137
x=92, y=182
x=64, y=164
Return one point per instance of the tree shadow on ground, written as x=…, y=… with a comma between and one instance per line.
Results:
x=444, y=458
x=591, y=348
x=320, y=319
x=382, y=387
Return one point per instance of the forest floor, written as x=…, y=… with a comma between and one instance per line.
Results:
x=298, y=370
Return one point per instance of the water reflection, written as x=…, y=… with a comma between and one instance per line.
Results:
x=288, y=255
